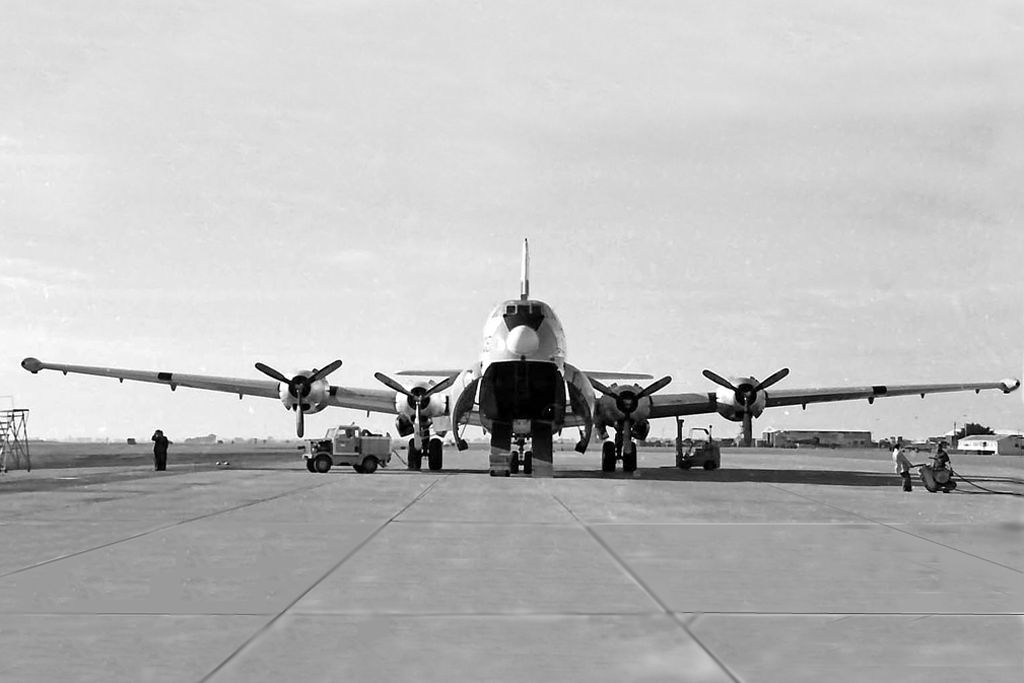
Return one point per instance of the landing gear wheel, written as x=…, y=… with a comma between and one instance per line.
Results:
x=528, y=462
x=309, y=465
x=369, y=465
x=322, y=463
x=629, y=459
x=435, y=454
x=513, y=463
x=608, y=457
x=415, y=456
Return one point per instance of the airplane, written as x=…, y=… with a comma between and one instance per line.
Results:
x=522, y=389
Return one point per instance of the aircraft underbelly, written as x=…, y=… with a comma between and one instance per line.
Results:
x=522, y=390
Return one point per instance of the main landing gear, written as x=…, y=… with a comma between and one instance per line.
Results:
x=612, y=451
x=535, y=462
x=435, y=455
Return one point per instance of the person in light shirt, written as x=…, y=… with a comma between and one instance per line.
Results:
x=902, y=465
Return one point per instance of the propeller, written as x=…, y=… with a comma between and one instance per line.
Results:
x=299, y=386
x=419, y=397
x=746, y=395
x=627, y=401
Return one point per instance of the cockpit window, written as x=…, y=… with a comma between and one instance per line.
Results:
x=523, y=313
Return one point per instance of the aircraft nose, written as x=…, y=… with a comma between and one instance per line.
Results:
x=522, y=340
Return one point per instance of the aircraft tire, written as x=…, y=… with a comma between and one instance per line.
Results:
x=369, y=465
x=513, y=463
x=322, y=463
x=435, y=454
x=528, y=462
x=608, y=457
x=629, y=460
x=415, y=456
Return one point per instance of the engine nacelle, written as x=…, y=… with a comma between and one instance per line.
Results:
x=730, y=404
x=640, y=430
x=606, y=410
x=434, y=405
x=312, y=402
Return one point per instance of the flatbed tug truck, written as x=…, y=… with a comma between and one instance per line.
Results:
x=699, y=452
x=347, y=445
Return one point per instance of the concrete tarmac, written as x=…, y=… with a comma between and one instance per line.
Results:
x=782, y=566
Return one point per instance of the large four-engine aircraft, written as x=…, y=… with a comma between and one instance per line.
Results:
x=521, y=389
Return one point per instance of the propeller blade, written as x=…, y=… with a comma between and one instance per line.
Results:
x=656, y=386
x=272, y=373
x=442, y=385
x=419, y=431
x=299, y=422
x=392, y=384
x=602, y=388
x=719, y=380
x=772, y=379
x=326, y=370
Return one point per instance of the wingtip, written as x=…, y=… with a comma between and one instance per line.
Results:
x=1010, y=384
x=33, y=365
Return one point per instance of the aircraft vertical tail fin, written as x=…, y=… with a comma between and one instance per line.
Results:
x=524, y=277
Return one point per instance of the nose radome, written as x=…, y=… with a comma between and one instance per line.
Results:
x=522, y=340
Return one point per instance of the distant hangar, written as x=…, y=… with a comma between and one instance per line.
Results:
x=816, y=438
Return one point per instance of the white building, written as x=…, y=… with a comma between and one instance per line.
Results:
x=992, y=444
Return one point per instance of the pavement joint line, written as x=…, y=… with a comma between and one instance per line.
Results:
x=349, y=555
x=688, y=617
x=158, y=529
x=896, y=528
x=674, y=616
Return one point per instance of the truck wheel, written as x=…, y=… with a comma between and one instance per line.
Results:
x=369, y=464
x=608, y=457
x=309, y=465
x=513, y=463
x=435, y=454
x=528, y=462
x=415, y=456
x=322, y=463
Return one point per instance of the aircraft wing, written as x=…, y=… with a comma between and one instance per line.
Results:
x=377, y=400
x=667, y=405
x=793, y=397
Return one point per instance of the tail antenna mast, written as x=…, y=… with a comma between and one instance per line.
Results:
x=524, y=277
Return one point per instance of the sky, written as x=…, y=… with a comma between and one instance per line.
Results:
x=195, y=187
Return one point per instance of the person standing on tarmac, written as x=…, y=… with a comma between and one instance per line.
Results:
x=160, y=444
x=902, y=465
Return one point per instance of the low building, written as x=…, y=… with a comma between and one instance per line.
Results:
x=992, y=444
x=816, y=438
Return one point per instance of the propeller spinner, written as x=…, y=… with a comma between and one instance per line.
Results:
x=299, y=387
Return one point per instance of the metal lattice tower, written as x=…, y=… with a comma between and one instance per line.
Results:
x=14, y=439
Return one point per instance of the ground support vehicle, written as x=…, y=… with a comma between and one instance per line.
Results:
x=697, y=452
x=347, y=445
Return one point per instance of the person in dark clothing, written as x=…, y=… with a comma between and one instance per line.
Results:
x=160, y=444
